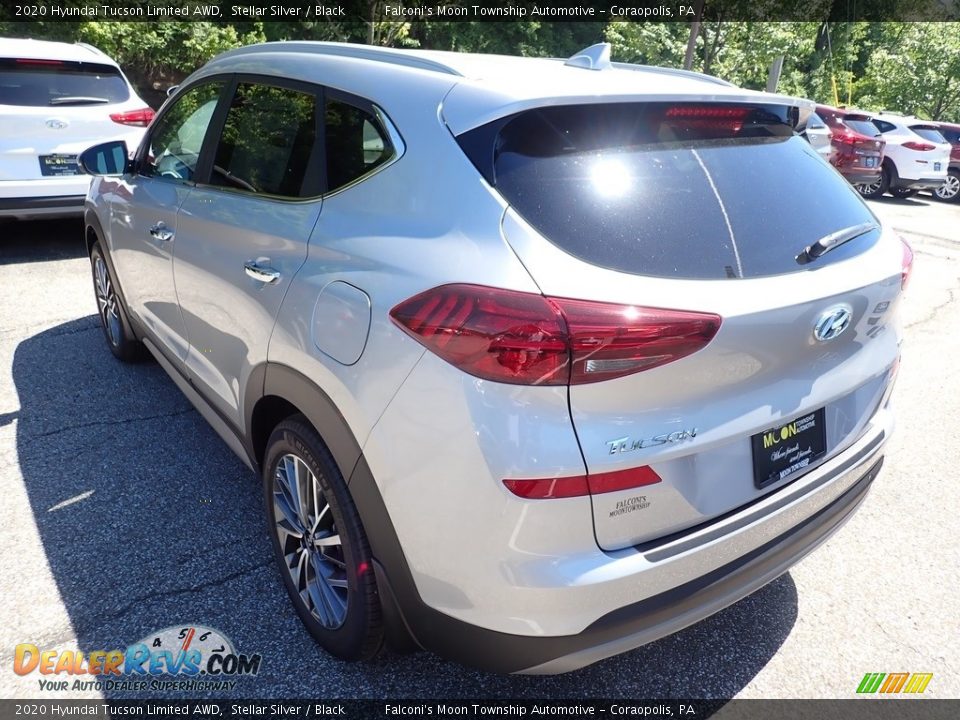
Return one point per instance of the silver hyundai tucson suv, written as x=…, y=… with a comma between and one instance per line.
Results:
x=539, y=360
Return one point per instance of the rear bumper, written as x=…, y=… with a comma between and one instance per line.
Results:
x=31, y=207
x=43, y=197
x=861, y=177
x=919, y=184
x=662, y=615
x=736, y=555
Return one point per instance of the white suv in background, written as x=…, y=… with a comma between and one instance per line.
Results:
x=915, y=158
x=57, y=99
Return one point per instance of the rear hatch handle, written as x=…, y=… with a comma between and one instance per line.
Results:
x=833, y=241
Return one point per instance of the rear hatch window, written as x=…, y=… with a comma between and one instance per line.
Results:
x=686, y=190
x=52, y=83
x=862, y=126
x=930, y=134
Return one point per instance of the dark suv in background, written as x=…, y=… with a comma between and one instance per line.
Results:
x=857, y=148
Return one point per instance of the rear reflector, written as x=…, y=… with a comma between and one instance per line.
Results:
x=906, y=267
x=528, y=339
x=911, y=145
x=579, y=486
x=138, y=118
x=549, y=488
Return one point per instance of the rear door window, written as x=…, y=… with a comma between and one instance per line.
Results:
x=268, y=141
x=51, y=83
x=683, y=191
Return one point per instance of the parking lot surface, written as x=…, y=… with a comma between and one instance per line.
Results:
x=123, y=514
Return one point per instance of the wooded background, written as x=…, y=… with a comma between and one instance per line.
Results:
x=907, y=67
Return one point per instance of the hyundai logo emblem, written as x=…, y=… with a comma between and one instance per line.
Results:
x=832, y=323
x=57, y=124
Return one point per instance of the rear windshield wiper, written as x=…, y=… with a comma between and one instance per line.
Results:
x=834, y=240
x=78, y=100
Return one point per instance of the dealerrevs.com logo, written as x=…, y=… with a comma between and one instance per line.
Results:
x=180, y=658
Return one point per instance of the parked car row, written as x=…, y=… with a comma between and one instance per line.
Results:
x=57, y=99
x=881, y=153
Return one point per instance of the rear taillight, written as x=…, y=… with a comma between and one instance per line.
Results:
x=906, y=265
x=527, y=339
x=912, y=145
x=608, y=341
x=139, y=118
x=847, y=138
x=499, y=335
x=580, y=485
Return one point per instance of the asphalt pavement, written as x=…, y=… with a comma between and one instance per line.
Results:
x=122, y=513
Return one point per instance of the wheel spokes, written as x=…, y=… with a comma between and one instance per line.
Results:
x=312, y=546
x=298, y=485
x=330, y=540
x=107, y=301
x=329, y=604
x=284, y=501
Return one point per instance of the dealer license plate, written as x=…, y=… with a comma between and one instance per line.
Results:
x=787, y=450
x=59, y=165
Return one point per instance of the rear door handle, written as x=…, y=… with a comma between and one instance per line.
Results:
x=161, y=232
x=260, y=273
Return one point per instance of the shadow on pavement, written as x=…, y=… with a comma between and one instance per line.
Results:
x=148, y=521
x=23, y=241
x=911, y=201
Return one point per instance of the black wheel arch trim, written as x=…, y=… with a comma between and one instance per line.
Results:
x=296, y=388
x=300, y=391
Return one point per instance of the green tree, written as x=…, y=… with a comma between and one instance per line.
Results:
x=915, y=70
x=647, y=43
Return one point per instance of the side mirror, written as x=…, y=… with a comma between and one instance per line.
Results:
x=171, y=90
x=110, y=158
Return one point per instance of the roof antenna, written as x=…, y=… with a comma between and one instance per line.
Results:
x=595, y=57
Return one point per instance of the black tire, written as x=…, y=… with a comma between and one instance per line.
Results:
x=876, y=190
x=902, y=193
x=113, y=315
x=950, y=190
x=359, y=633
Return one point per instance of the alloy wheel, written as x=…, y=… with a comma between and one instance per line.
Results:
x=869, y=188
x=107, y=303
x=949, y=189
x=310, y=543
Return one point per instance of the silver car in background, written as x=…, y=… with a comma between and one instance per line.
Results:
x=539, y=361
